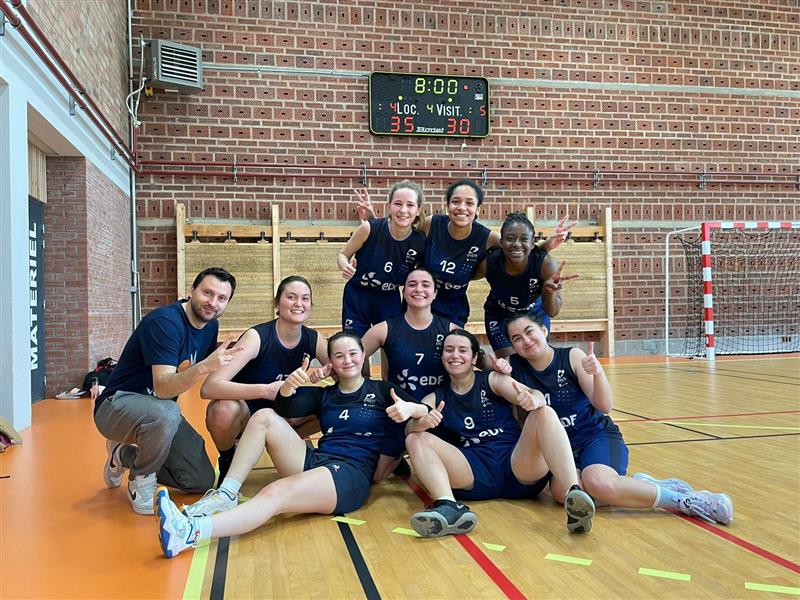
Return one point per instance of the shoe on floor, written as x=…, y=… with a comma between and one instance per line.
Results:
x=580, y=510
x=141, y=491
x=444, y=517
x=176, y=531
x=711, y=508
x=113, y=469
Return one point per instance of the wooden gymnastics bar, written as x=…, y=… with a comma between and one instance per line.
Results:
x=249, y=250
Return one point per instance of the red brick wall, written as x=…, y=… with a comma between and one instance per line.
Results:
x=87, y=271
x=109, y=266
x=305, y=119
x=91, y=37
x=65, y=287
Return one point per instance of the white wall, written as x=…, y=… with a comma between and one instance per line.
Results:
x=24, y=82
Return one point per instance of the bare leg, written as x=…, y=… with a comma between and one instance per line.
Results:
x=386, y=464
x=225, y=420
x=440, y=466
x=267, y=429
x=308, y=492
x=608, y=487
x=542, y=446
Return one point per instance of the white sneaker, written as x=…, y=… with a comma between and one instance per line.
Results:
x=113, y=470
x=213, y=501
x=176, y=531
x=711, y=508
x=141, y=493
x=674, y=484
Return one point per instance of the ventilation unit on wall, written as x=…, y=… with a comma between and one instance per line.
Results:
x=172, y=66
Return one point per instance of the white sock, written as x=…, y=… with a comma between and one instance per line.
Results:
x=203, y=525
x=231, y=486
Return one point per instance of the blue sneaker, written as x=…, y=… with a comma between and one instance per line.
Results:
x=444, y=517
x=176, y=531
x=711, y=508
x=580, y=510
x=676, y=485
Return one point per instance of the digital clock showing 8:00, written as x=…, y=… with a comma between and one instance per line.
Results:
x=407, y=104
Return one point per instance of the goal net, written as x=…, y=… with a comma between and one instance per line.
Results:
x=732, y=288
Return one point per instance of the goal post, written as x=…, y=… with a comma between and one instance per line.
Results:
x=735, y=288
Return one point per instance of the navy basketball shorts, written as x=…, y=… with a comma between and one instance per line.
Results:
x=352, y=487
x=494, y=478
x=609, y=450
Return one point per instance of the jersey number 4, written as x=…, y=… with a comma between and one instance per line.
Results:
x=344, y=414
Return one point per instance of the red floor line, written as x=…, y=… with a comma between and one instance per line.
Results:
x=778, y=560
x=495, y=574
x=750, y=414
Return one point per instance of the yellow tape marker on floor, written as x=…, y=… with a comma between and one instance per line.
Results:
x=778, y=589
x=573, y=560
x=665, y=574
x=348, y=520
x=403, y=531
x=495, y=547
x=194, y=581
x=700, y=424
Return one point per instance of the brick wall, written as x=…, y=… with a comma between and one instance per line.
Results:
x=587, y=85
x=109, y=266
x=87, y=270
x=66, y=292
x=91, y=37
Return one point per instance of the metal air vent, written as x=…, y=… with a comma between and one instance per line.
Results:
x=168, y=65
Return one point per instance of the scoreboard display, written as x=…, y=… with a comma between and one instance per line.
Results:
x=433, y=105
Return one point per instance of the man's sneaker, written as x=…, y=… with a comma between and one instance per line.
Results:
x=176, y=531
x=676, y=485
x=141, y=490
x=213, y=501
x=580, y=510
x=113, y=470
x=712, y=508
x=444, y=517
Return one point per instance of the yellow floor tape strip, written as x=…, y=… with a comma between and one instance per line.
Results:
x=194, y=582
x=495, y=547
x=665, y=574
x=778, y=589
x=573, y=560
x=348, y=520
x=404, y=531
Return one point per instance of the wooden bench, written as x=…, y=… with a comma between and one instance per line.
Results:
x=261, y=254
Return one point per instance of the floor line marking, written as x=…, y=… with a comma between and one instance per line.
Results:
x=220, y=569
x=360, y=565
x=777, y=589
x=707, y=439
x=197, y=570
x=736, y=426
x=749, y=546
x=495, y=574
x=689, y=417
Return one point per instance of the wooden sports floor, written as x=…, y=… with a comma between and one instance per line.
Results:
x=735, y=429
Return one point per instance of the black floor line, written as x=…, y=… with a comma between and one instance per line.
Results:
x=220, y=569
x=362, y=570
x=711, y=435
x=660, y=369
x=719, y=439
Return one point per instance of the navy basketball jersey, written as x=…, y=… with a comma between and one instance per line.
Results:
x=480, y=418
x=509, y=294
x=453, y=263
x=274, y=361
x=415, y=356
x=382, y=262
x=354, y=425
x=561, y=389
